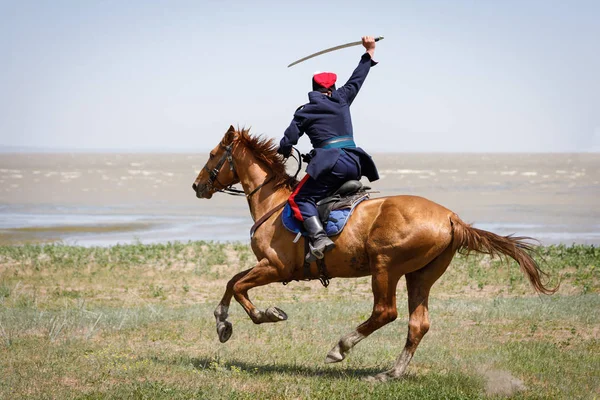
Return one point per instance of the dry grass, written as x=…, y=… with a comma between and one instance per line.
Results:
x=136, y=322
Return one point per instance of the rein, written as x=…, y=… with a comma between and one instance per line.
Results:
x=229, y=189
x=278, y=207
x=299, y=160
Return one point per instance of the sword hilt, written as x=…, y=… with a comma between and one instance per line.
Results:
x=377, y=39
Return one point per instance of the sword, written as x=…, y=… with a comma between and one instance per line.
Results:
x=342, y=46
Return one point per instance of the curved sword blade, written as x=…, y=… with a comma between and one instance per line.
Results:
x=342, y=46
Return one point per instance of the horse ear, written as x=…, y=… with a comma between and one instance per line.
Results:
x=229, y=136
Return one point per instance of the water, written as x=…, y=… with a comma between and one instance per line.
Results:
x=110, y=229
x=104, y=199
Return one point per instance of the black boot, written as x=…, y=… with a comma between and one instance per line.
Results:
x=319, y=242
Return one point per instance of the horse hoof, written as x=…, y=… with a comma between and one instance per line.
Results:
x=275, y=314
x=224, y=330
x=333, y=356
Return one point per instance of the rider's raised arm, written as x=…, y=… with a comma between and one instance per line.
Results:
x=349, y=91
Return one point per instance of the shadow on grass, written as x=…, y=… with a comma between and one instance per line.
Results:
x=290, y=369
x=270, y=369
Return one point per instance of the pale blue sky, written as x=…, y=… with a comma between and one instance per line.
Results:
x=456, y=75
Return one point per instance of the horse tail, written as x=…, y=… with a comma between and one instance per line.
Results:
x=467, y=239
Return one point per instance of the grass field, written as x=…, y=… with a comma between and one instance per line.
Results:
x=137, y=321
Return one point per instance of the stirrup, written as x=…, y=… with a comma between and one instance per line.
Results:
x=315, y=254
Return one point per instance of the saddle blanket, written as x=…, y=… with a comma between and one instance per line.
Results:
x=335, y=223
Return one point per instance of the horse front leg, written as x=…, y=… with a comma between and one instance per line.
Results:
x=224, y=327
x=262, y=274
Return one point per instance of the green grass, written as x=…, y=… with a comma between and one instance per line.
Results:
x=136, y=322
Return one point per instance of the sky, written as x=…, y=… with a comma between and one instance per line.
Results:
x=453, y=76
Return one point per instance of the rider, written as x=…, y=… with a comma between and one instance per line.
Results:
x=335, y=158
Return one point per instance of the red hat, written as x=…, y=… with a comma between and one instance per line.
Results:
x=325, y=79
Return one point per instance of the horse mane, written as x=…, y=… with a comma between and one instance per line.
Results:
x=265, y=149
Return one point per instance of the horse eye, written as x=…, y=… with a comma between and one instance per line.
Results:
x=211, y=156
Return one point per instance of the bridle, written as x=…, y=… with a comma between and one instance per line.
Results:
x=213, y=176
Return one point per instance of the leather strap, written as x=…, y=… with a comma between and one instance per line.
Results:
x=265, y=217
x=306, y=265
x=323, y=277
x=322, y=268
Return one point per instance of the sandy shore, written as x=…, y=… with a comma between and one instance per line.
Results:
x=105, y=198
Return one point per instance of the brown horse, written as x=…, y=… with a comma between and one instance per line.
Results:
x=386, y=238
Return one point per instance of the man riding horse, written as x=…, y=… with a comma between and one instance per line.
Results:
x=393, y=237
x=335, y=159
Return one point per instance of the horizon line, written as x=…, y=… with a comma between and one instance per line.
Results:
x=59, y=150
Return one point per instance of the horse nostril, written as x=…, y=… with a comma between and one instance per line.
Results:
x=195, y=187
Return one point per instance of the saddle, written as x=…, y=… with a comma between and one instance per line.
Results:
x=344, y=197
x=334, y=210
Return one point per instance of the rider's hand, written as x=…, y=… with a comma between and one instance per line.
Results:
x=285, y=152
x=368, y=43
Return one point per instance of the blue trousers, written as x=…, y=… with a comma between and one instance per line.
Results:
x=309, y=191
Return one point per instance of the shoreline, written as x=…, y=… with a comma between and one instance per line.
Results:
x=165, y=229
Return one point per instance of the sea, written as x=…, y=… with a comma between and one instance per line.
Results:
x=105, y=199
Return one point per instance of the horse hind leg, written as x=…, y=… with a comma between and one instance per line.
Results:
x=418, y=284
x=384, y=311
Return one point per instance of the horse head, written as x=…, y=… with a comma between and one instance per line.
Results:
x=219, y=171
x=242, y=157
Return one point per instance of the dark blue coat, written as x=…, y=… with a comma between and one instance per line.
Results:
x=328, y=117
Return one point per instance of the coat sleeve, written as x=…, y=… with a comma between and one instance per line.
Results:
x=291, y=135
x=349, y=91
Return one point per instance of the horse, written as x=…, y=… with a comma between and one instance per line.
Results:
x=386, y=238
